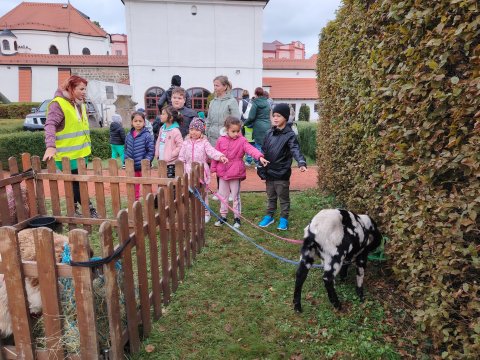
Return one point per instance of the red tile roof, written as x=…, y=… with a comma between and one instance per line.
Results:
x=50, y=17
x=65, y=60
x=288, y=88
x=299, y=64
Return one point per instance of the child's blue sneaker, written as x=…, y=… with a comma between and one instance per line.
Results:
x=282, y=224
x=267, y=220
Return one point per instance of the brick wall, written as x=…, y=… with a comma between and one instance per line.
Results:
x=63, y=75
x=111, y=74
x=24, y=84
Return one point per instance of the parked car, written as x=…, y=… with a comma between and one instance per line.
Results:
x=36, y=119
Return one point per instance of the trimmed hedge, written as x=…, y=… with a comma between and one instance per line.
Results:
x=34, y=143
x=17, y=110
x=399, y=84
x=304, y=113
x=307, y=137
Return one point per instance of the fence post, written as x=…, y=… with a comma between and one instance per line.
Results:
x=31, y=197
x=193, y=216
x=128, y=283
x=17, y=191
x=84, y=198
x=114, y=187
x=40, y=191
x=142, y=268
x=180, y=222
x=4, y=211
x=186, y=219
x=82, y=277
x=17, y=297
x=173, y=236
x=48, y=279
x=99, y=188
x=163, y=244
x=111, y=292
x=69, y=197
x=154, y=265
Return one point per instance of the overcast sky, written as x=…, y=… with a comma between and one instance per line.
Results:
x=283, y=20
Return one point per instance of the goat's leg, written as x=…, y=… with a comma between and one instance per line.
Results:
x=344, y=271
x=301, y=275
x=360, y=263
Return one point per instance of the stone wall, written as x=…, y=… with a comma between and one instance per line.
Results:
x=110, y=74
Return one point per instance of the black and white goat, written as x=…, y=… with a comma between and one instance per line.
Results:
x=339, y=237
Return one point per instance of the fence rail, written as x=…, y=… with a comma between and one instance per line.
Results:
x=163, y=233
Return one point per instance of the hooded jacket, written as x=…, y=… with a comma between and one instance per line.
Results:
x=279, y=147
x=117, y=133
x=259, y=119
x=139, y=147
x=198, y=151
x=218, y=110
x=234, y=150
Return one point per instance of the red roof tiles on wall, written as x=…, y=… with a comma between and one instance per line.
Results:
x=64, y=60
x=298, y=64
x=291, y=88
x=49, y=17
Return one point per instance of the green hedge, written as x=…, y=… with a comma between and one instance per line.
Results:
x=307, y=137
x=399, y=83
x=34, y=143
x=16, y=110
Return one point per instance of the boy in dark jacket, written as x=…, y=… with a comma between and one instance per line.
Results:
x=117, y=138
x=279, y=146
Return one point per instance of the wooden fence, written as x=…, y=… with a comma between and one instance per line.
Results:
x=170, y=234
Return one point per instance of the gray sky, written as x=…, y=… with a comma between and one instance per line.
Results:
x=283, y=20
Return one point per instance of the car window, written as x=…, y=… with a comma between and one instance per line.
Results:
x=44, y=105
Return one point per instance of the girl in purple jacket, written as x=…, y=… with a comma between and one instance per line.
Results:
x=234, y=146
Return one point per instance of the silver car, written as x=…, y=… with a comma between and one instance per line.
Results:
x=36, y=119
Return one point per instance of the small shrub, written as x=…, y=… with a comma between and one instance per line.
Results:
x=304, y=114
x=307, y=137
x=16, y=110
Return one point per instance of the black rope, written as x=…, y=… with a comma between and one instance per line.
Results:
x=99, y=262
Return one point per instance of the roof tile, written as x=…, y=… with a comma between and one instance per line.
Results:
x=65, y=60
x=291, y=88
x=292, y=64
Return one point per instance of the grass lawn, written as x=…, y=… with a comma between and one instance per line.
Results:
x=236, y=302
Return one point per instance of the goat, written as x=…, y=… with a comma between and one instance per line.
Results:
x=27, y=253
x=338, y=237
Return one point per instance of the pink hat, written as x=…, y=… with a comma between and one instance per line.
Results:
x=197, y=124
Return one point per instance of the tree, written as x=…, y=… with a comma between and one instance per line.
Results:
x=304, y=114
x=98, y=24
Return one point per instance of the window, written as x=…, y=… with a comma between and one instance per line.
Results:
x=237, y=93
x=6, y=45
x=198, y=97
x=151, y=99
x=118, y=52
x=15, y=46
x=86, y=51
x=109, y=92
x=315, y=108
x=53, y=50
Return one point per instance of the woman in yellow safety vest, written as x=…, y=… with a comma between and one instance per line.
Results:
x=67, y=133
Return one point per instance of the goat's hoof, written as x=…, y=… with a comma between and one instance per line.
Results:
x=298, y=308
x=338, y=306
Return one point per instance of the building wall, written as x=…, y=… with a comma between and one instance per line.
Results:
x=40, y=41
x=119, y=43
x=287, y=73
x=228, y=42
x=44, y=82
x=111, y=74
x=9, y=82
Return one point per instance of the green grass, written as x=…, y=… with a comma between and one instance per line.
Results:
x=8, y=126
x=236, y=302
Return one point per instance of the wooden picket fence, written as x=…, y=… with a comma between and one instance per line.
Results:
x=173, y=232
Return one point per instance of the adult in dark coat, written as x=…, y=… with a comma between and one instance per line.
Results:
x=259, y=117
x=167, y=95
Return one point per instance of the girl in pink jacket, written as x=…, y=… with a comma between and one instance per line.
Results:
x=234, y=146
x=196, y=148
x=170, y=140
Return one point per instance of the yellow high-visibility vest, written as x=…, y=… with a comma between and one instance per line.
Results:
x=74, y=140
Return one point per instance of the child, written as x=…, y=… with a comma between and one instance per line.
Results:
x=234, y=146
x=170, y=139
x=196, y=148
x=138, y=146
x=117, y=138
x=279, y=145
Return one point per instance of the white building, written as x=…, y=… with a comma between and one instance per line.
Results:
x=44, y=28
x=197, y=40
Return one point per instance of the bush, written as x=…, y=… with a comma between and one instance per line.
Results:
x=399, y=138
x=34, y=143
x=16, y=110
x=304, y=113
x=8, y=126
x=307, y=137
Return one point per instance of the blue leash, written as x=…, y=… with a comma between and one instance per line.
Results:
x=197, y=194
